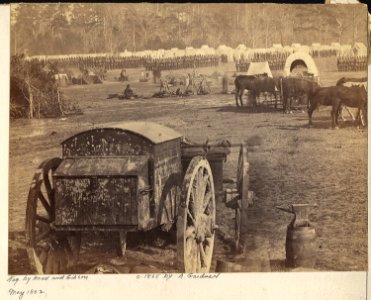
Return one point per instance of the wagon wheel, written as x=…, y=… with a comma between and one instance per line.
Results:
x=196, y=219
x=49, y=251
x=168, y=212
x=243, y=191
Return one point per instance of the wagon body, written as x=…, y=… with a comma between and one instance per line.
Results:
x=133, y=176
x=118, y=177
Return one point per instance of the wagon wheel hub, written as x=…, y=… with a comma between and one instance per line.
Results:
x=203, y=228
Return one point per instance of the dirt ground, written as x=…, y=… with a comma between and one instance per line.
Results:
x=289, y=163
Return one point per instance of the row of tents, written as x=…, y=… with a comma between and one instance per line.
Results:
x=228, y=52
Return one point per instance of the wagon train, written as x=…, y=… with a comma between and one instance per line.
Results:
x=133, y=176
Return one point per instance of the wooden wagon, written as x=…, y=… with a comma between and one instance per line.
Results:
x=121, y=178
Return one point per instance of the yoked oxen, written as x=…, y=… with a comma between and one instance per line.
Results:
x=255, y=85
x=295, y=87
x=336, y=96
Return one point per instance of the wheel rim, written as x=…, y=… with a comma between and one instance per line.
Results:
x=196, y=220
x=243, y=174
x=243, y=191
x=49, y=251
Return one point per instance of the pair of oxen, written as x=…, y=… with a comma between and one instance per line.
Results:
x=290, y=87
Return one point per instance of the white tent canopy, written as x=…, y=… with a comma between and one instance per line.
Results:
x=259, y=68
x=360, y=49
x=304, y=57
x=305, y=49
x=224, y=50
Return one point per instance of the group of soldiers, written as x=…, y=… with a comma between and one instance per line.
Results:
x=348, y=63
x=100, y=62
x=323, y=52
x=223, y=58
x=182, y=62
x=276, y=61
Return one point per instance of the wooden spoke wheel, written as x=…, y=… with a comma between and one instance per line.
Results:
x=196, y=218
x=168, y=207
x=49, y=251
x=243, y=191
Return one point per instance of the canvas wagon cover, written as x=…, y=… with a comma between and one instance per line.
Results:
x=257, y=68
x=154, y=132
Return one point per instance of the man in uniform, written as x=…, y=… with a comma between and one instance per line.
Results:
x=129, y=93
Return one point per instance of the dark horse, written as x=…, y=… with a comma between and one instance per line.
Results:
x=294, y=87
x=353, y=82
x=344, y=80
x=336, y=96
x=255, y=85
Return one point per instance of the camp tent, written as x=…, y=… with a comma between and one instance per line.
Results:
x=279, y=46
x=190, y=51
x=259, y=68
x=360, y=49
x=288, y=49
x=224, y=50
x=126, y=53
x=241, y=47
x=305, y=49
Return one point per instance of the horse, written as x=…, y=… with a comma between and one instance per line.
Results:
x=344, y=80
x=336, y=96
x=350, y=81
x=255, y=85
x=294, y=87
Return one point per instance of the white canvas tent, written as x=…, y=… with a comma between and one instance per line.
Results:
x=360, y=49
x=304, y=48
x=258, y=68
x=223, y=49
x=335, y=45
x=303, y=57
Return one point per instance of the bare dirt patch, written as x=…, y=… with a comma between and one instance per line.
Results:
x=289, y=163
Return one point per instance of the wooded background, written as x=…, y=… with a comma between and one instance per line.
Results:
x=44, y=29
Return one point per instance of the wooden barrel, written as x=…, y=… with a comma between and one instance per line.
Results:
x=300, y=247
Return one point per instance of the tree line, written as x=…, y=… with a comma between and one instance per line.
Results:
x=64, y=28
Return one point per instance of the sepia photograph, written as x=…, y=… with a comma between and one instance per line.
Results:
x=159, y=138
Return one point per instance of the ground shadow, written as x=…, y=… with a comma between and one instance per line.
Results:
x=259, y=109
x=327, y=124
x=278, y=265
